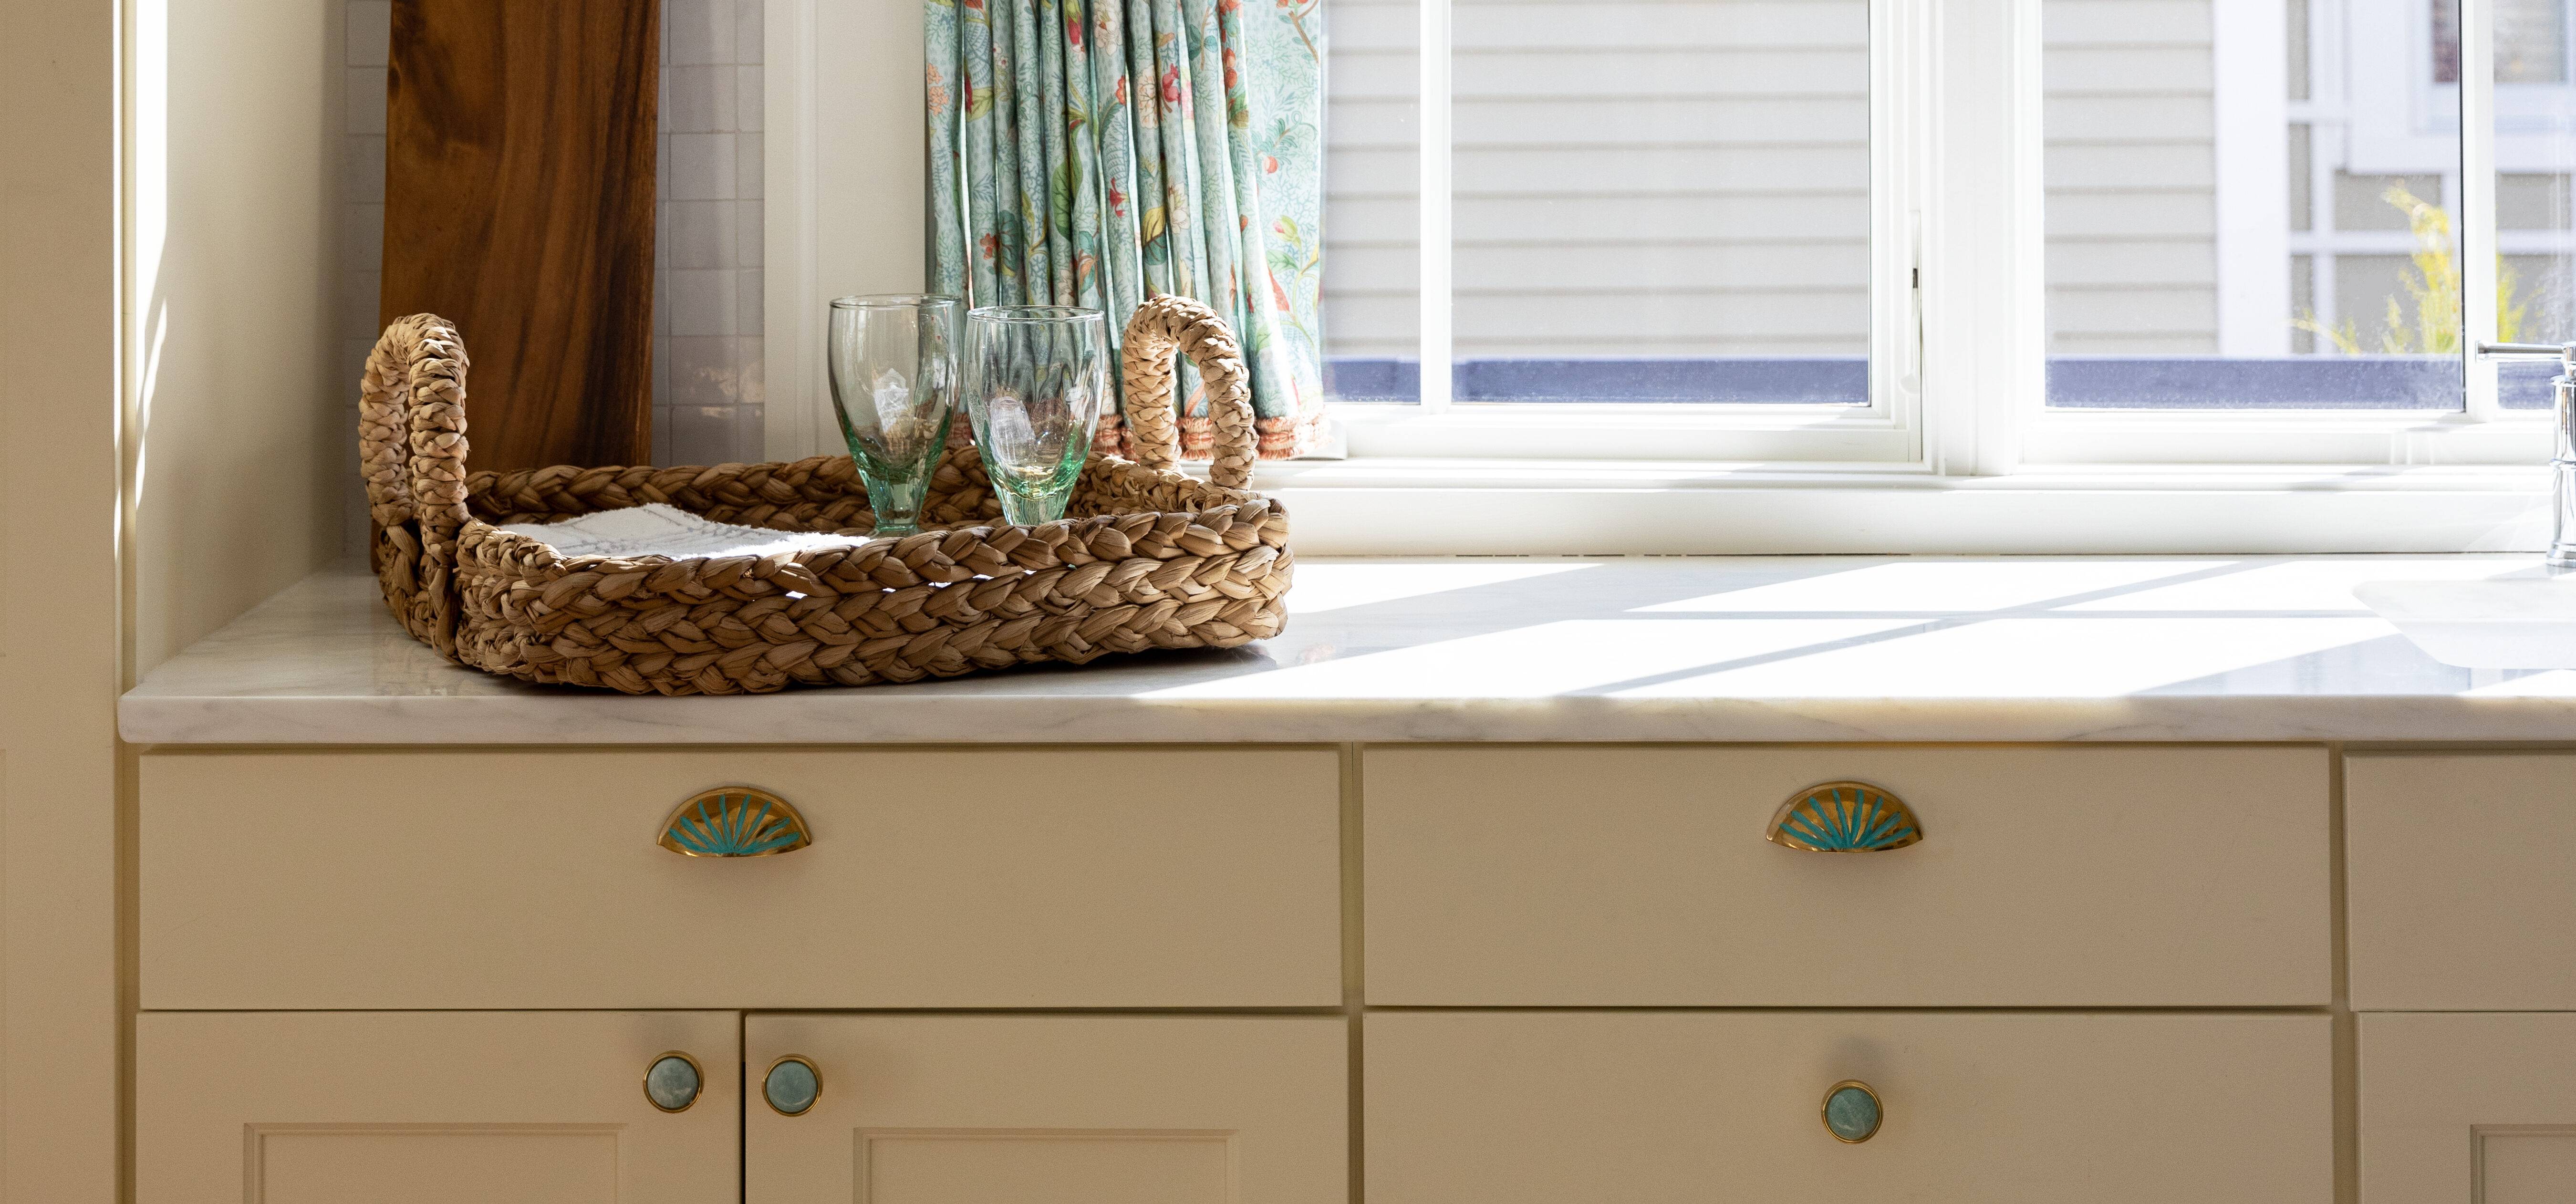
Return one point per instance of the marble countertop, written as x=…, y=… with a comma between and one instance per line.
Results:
x=1514, y=649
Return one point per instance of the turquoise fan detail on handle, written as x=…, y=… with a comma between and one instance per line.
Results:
x=1845, y=817
x=735, y=821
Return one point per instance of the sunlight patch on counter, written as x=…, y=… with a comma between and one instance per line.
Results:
x=2030, y=658
x=1919, y=586
x=1343, y=584
x=2303, y=585
x=1541, y=660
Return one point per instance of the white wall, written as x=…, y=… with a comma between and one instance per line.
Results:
x=846, y=177
x=243, y=427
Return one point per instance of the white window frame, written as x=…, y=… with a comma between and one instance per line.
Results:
x=1886, y=432
x=2405, y=131
x=2386, y=122
x=1982, y=112
x=1957, y=453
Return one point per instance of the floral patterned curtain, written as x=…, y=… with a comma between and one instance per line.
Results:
x=1096, y=152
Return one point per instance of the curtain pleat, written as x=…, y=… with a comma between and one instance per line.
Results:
x=1096, y=152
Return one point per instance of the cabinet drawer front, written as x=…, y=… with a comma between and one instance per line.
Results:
x=1078, y=878
x=2461, y=882
x=2044, y=878
x=1544, y=1107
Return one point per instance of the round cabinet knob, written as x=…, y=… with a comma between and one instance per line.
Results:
x=791, y=1086
x=1852, y=1111
x=672, y=1081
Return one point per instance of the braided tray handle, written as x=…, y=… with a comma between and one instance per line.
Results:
x=1162, y=325
x=411, y=450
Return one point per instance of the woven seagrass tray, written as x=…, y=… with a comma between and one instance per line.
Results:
x=1145, y=557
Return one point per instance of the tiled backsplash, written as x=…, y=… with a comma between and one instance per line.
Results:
x=707, y=397
x=706, y=259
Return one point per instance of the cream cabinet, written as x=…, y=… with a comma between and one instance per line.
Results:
x=2468, y=1108
x=985, y=879
x=1527, y=1107
x=1048, y=1109
x=2055, y=877
x=2462, y=881
x=434, y=1108
x=2461, y=886
x=1429, y=974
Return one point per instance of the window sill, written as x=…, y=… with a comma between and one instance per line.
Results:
x=1385, y=506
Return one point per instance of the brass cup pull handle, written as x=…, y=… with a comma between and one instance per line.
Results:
x=672, y=1081
x=791, y=1085
x=735, y=821
x=1845, y=817
x=1852, y=1111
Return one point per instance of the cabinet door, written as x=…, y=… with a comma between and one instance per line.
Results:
x=1050, y=1110
x=433, y=1108
x=2463, y=1108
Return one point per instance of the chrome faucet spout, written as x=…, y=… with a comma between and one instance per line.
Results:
x=2562, y=449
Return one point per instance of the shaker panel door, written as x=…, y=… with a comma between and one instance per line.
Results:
x=1049, y=1109
x=433, y=1108
x=2468, y=1108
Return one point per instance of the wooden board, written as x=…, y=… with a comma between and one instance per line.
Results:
x=519, y=196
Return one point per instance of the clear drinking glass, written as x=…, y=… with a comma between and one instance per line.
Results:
x=1037, y=378
x=894, y=382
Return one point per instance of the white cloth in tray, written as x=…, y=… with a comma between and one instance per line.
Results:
x=654, y=529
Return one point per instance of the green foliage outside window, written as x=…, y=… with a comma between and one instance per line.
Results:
x=2426, y=321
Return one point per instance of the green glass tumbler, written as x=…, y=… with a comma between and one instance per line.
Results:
x=893, y=363
x=1037, y=380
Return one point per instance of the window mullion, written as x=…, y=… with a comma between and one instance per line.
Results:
x=1436, y=225
x=2477, y=220
x=1899, y=131
x=1984, y=292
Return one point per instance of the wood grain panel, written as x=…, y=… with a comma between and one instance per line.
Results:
x=519, y=204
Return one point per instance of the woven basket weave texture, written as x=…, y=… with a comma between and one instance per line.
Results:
x=1145, y=558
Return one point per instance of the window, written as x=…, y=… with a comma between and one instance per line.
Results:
x=1662, y=202
x=2214, y=239
x=1948, y=241
x=1661, y=226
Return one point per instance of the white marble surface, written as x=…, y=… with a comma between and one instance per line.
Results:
x=1504, y=649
